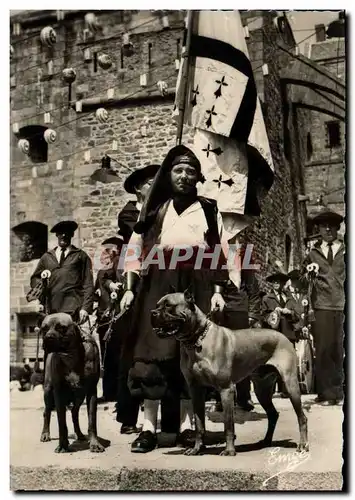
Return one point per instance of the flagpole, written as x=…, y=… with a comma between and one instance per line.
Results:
x=185, y=76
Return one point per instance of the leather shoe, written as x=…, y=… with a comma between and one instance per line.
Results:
x=145, y=442
x=186, y=438
x=246, y=405
x=129, y=429
x=330, y=402
x=319, y=400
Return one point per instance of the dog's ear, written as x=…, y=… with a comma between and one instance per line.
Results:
x=189, y=298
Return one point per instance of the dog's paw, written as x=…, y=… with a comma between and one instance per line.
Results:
x=302, y=447
x=195, y=451
x=45, y=437
x=96, y=447
x=62, y=448
x=228, y=453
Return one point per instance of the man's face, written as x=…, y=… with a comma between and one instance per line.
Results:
x=143, y=188
x=64, y=239
x=295, y=286
x=109, y=254
x=328, y=231
x=276, y=286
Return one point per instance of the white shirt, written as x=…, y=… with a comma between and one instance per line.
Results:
x=188, y=228
x=58, y=252
x=336, y=244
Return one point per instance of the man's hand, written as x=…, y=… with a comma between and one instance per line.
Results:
x=217, y=302
x=83, y=316
x=254, y=323
x=127, y=300
x=285, y=310
x=114, y=286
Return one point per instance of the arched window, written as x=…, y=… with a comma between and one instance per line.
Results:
x=38, y=146
x=29, y=241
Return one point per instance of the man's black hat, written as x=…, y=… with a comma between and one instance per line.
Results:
x=295, y=275
x=114, y=240
x=65, y=226
x=138, y=176
x=277, y=277
x=328, y=216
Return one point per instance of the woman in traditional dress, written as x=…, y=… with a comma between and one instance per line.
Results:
x=176, y=218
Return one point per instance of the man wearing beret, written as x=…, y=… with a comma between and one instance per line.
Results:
x=328, y=301
x=137, y=183
x=70, y=288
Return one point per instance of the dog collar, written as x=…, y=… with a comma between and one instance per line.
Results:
x=201, y=334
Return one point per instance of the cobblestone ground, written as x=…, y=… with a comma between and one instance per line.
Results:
x=35, y=466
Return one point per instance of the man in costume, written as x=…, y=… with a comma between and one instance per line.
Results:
x=275, y=301
x=176, y=218
x=127, y=406
x=70, y=287
x=295, y=297
x=106, y=282
x=328, y=300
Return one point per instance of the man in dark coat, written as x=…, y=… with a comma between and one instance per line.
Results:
x=127, y=407
x=275, y=301
x=106, y=283
x=295, y=297
x=328, y=301
x=70, y=287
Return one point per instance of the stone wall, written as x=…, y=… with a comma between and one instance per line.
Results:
x=325, y=170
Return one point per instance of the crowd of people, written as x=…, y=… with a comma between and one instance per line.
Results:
x=141, y=369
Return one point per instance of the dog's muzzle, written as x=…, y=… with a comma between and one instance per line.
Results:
x=165, y=325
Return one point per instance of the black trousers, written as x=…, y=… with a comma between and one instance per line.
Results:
x=328, y=339
x=127, y=406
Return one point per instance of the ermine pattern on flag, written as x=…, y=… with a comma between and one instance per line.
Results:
x=222, y=105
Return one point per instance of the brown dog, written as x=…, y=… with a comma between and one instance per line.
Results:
x=72, y=371
x=215, y=356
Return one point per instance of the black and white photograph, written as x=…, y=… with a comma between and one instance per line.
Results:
x=178, y=250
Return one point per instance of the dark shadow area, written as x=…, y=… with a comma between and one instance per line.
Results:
x=242, y=448
x=240, y=416
x=84, y=445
